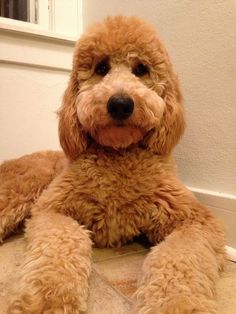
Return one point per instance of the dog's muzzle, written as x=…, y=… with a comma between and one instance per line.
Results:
x=120, y=107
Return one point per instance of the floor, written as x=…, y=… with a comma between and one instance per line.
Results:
x=114, y=278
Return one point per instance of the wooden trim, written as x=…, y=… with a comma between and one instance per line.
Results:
x=34, y=31
x=224, y=206
x=231, y=252
x=35, y=51
x=37, y=66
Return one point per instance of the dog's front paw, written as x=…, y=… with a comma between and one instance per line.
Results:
x=174, y=304
x=25, y=305
x=49, y=302
x=22, y=306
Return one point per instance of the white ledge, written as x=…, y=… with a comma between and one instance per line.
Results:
x=231, y=252
x=31, y=47
x=216, y=199
x=224, y=206
x=34, y=31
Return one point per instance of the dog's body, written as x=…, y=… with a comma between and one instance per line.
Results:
x=120, y=119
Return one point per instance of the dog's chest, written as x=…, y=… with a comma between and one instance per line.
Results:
x=114, y=195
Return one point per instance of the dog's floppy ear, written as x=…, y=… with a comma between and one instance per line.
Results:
x=72, y=138
x=164, y=137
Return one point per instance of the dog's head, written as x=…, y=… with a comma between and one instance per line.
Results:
x=122, y=91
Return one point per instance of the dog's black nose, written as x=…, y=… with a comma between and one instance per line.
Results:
x=120, y=107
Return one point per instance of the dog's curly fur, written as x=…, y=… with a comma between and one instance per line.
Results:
x=120, y=181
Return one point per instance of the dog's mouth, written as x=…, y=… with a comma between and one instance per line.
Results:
x=118, y=135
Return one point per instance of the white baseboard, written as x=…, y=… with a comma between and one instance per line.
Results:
x=231, y=252
x=224, y=206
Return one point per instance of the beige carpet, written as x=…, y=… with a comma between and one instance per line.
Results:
x=113, y=281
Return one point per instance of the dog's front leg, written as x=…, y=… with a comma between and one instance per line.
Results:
x=22, y=180
x=180, y=273
x=55, y=272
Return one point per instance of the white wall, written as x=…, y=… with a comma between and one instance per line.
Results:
x=201, y=38
x=34, y=71
x=29, y=98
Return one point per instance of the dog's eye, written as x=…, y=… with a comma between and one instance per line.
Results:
x=140, y=70
x=102, y=68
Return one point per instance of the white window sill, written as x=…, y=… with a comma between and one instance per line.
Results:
x=33, y=30
x=25, y=44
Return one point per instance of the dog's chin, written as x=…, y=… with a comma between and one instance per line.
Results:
x=118, y=136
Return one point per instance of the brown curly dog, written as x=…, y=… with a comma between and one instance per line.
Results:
x=121, y=117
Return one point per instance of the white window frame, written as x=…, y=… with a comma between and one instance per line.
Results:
x=42, y=18
x=45, y=25
x=52, y=16
x=32, y=11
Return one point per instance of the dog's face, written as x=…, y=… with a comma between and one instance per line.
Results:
x=122, y=91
